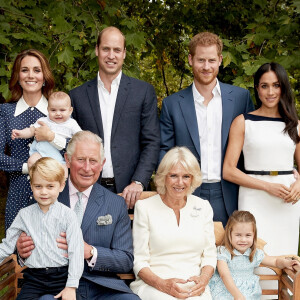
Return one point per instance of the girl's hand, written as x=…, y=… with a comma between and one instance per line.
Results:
x=200, y=285
x=294, y=194
x=68, y=293
x=289, y=264
x=277, y=189
x=171, y=287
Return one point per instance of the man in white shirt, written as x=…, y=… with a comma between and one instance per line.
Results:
x=199, y=117
x=123, y=112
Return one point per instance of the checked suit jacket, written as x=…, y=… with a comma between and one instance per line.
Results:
x=135, y=135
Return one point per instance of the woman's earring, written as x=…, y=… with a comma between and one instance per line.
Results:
x=44, y=83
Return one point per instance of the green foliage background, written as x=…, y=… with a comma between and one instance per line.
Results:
x=157, y=34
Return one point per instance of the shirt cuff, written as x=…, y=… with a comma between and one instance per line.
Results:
x=25, y=168
x=58, y=142
x=21, y=261
x=92, y=262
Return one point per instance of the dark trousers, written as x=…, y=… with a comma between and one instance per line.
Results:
x=38, y=282
x=213, y=193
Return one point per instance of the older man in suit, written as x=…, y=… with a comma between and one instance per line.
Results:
x=105, y=223
x=199, y=117
x=123, y=111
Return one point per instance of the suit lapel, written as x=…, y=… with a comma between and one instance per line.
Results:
x=123, y=92
x=187, y=106
x=96, y=200
x=227, y=112
x=64, y=197
x=92, y=91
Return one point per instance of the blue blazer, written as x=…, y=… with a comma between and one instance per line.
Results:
x=178, y=127
x=135, y=135
x=113, y=241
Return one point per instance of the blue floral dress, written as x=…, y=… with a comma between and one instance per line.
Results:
x=242, y=272
x=19, y=192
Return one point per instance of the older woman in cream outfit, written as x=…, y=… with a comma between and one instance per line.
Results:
x=173, y=234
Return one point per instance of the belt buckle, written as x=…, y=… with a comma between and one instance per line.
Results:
x=273, y=173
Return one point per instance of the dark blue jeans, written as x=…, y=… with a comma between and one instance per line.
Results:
x=213, y=193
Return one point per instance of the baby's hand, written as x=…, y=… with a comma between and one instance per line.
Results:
x=15, y=134
x=68, y=293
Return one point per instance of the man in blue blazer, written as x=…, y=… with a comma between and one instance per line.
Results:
x=105, y=224
x=199, y=117
x=123, y=111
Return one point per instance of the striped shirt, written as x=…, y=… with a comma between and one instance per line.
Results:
x=44, y=229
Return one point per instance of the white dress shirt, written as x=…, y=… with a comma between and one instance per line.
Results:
x=209, y=120
x=107, y=106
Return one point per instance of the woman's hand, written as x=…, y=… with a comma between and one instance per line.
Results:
x=294, y=194
x=171, y=287
x=200, y=285
x=43, y=133
x=277, y=189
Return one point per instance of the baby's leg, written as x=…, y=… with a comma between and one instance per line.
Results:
x=33, y=158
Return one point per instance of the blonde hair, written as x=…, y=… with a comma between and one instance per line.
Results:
x=60, y=96
x=49, y=169
x=174, y=156
x=86, y=136
x=205, y=39
x=240, y=217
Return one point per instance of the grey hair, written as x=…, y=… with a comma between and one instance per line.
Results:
x=85, y=136
x=174, y=156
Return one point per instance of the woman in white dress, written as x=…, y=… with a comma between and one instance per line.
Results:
x=269, y=140
x=173, y=234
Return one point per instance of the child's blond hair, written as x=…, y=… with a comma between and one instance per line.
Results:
x=239, y=217
x=60, y=96
x=49, y=169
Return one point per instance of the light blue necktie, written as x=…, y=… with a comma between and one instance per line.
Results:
x=79, y=208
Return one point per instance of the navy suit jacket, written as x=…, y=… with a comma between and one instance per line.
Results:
x=178, y=125
x=135, y=133
x=113, y=241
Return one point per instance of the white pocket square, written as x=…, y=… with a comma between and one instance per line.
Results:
x=104, y=220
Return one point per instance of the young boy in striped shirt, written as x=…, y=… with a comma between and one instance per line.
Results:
x=49, y=270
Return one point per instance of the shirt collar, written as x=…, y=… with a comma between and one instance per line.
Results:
x=116, y=81
x=23, y=106
x=51, y=207
x=247, y=252
x=73, y=190
x=199, y=98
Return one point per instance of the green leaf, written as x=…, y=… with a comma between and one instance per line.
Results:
x=135, y=39
x=4, y=90
x=66, y=56
x=4, y=40
x=61, y=25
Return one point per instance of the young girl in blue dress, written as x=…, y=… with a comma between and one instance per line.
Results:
x=237, y=258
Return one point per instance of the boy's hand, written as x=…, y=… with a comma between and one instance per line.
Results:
x=24, y=245
x=68, y=293
x=15, y=134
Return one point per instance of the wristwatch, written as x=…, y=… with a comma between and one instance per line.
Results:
x=138, y=182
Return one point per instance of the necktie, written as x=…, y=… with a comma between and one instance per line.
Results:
x=79, y=208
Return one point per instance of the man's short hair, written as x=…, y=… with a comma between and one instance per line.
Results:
x=60, y=96
x=108, y=29
x=84, y=136
x=49, y=169
x=205, y=39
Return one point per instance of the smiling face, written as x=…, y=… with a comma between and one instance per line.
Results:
x=31, y=77
x=269, y=90
x=242, y=236
x=59, y=110
x=85, y=164
x=45, y=192
x=178, y=182
x=111, y=53
x=205, y=64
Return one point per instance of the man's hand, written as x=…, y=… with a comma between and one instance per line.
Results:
x=68, y=293
x=87, y=251
x=132, y=193
x=44, y=133
x=62, y=243
x=24, y=245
